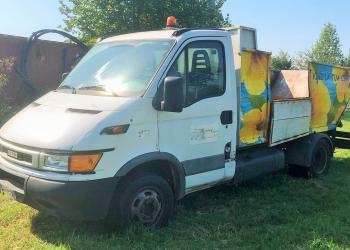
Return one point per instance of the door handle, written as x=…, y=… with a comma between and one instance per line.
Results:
x=226, y=117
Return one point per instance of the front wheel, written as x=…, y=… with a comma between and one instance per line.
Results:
x=146, y=200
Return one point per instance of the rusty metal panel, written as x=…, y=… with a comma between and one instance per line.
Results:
x=255, y=98
x=330, y=93
x=287, y=84
x=291, y=119
x=285, y=109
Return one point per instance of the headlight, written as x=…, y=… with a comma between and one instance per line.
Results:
x=56, y=163
x=80, y=163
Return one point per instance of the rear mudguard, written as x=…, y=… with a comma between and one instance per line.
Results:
x=299, y=152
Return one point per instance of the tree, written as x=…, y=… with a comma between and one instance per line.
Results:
x=101, y=18
x=282, y=61
x=327, y=49
x=347, y=60
x=6, y=67
x=302, y=59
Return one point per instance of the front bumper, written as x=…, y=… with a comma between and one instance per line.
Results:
x=75, y=200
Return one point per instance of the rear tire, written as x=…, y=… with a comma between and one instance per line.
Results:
x=320, y=162
x=321, y=158
x=146, y=200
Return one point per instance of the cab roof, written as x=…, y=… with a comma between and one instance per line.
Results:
x=166, y=34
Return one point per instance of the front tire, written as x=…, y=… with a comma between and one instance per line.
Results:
x=146, y=200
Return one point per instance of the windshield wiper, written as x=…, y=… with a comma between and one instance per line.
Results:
x=65, y=87
x=68, y=87
x=96, y=87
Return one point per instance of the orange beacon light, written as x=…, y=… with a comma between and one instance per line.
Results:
x=171, y=22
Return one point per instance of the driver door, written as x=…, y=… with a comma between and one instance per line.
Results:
x=198, y=135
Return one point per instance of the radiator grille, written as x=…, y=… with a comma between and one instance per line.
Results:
x=17, y=155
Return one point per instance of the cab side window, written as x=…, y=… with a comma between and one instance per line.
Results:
x=202, y=67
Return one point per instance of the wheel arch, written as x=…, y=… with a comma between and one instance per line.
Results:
x=299, y=152
x=155, y=162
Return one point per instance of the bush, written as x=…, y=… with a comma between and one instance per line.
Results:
x=6, y=67
x=282, y=61
x=6, y=112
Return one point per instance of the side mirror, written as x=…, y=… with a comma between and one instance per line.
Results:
x=173, y=94
x=64, y=75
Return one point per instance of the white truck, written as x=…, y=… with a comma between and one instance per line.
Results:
x=147, y=118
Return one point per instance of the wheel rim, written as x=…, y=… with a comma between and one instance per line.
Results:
x=320, y=160
x=146, y=207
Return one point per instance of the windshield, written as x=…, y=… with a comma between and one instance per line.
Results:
x=120, y=69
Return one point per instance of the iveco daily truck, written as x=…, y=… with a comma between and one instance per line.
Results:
x=147, y=118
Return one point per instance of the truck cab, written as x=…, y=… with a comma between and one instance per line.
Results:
x=147, y=118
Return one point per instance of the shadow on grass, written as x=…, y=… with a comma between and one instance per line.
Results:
x=276, y=211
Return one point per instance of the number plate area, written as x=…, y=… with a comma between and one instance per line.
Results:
x=12, y=154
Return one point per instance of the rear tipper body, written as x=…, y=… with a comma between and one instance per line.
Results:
x=279, y=106
x=292, y=111
x=290, y=104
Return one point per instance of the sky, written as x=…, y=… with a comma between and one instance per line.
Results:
x=290, y=25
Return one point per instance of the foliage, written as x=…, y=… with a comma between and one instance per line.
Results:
x=282, y=61
x=327, y=49
x=347, y=60
x=302, y=59
x=5, y=112
x=6, y=67
x=101, y=18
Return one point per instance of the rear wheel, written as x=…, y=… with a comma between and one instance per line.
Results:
x=146, y=200
x=321, y=158
x=320, y=162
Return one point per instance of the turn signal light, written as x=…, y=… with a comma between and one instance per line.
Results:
x=115, y=130
x=83, y=163
x=171, y=22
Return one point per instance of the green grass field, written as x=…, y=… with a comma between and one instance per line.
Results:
x=274, y=212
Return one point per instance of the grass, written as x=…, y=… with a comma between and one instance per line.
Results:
x=274, y=212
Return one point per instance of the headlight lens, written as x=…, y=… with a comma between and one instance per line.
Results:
x=56, y=163
x=82, y=163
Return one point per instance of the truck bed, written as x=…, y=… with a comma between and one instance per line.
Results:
x=276, y=107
